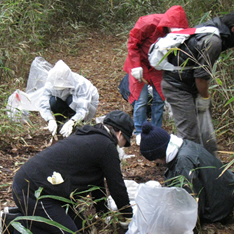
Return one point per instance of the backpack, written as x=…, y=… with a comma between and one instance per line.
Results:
x=159, y=51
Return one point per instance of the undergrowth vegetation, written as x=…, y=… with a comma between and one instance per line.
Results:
x=28, y=28
x=82, y=204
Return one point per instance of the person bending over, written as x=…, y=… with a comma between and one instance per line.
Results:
x=199, y=167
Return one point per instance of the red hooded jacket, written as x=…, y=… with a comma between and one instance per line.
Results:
x=145, y=32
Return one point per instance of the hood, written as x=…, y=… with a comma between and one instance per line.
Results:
x=216, y=22
x=224, y=31
x=90, y=130
x=60, y=76
x=174, y=17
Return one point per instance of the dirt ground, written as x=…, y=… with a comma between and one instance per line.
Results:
x=100, y=59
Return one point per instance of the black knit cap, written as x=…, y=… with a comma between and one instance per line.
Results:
x=121, y=121
x=154, y=141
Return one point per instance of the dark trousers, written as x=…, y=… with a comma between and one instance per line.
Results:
x=47, y=208
x=61, y=108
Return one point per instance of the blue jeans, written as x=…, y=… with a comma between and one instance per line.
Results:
x=140, y=109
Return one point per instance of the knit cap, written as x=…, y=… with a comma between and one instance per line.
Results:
x=154, y=141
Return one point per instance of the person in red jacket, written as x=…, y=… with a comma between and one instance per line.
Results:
x=145, y=32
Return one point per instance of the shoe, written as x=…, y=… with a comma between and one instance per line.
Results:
x=8, y=209
x=138, y=139
x=6, y=216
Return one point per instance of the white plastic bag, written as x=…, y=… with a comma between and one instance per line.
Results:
x=162, y=210
x=18, y=105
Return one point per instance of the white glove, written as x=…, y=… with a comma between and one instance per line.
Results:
x=108, y=220
x=67, y=128
x=125, y=223
x=137, y=73
x=202, y=104
x=52, y=126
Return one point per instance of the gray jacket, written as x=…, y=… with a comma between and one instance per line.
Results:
x=199, y=52
x=202, y=169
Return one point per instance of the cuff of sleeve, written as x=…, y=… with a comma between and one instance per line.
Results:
x=77, y=117
x=206, y=98
x=49, y=120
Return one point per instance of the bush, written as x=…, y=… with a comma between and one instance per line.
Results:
x=28, y=28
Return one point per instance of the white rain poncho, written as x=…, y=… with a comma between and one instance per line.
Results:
x=62, y=82
x=43, y=77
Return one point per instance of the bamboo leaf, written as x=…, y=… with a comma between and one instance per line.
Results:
x=38, y=192
x=226, y=167
x=56, y=198
x=40, y=219
x=219, y=81
x=20, y=228
x=229, y=101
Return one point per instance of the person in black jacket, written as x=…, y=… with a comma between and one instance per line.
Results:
x=73, y=165
x=202, y=171
x=186, y=89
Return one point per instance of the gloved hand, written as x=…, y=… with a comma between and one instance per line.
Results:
x=124, y=224
x=108, y=220
x=67, y=128
x=202, y=104
x=137, y=73
x=52, y=126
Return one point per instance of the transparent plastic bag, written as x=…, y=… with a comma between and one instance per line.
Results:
x=162, y=210
x=207, y=132
x=38, y=74
x=20, y=103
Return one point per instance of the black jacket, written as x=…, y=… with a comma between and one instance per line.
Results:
x=83, y=159
x=216, y=197
x=199, y=52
